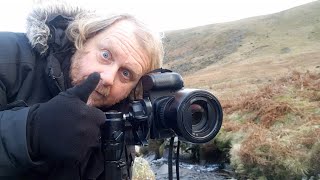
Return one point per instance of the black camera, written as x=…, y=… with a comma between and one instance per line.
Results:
x=167, y=110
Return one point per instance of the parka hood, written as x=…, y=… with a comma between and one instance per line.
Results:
x=46, y=31
x=38, y=20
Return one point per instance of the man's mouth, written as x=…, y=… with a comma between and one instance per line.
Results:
x=104, y=93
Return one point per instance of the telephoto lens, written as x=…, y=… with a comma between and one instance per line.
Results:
x=194, y=115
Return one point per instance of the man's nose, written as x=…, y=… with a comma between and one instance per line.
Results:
x=108, y=76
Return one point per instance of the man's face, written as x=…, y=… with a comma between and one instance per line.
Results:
x=117, y=56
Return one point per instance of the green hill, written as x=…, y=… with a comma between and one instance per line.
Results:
x=266, y=72
x=245, y=52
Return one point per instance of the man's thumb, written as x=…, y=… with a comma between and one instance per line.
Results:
x=84, y=89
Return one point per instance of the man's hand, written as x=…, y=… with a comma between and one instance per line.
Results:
x=65, y=128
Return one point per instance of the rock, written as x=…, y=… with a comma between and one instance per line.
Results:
x=142, y=170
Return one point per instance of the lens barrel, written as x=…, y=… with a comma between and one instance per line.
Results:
x=195, y=115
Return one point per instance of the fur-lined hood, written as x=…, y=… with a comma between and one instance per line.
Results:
x=38, y=31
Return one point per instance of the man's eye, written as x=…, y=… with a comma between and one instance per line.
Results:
x=106, y=55
x=126, y=73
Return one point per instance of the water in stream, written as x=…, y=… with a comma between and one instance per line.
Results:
x=190, y=171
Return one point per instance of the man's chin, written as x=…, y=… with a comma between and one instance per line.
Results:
x=96, y=100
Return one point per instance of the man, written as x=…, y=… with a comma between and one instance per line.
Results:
x=55, y=79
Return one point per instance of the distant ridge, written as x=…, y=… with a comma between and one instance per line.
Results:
x=280, y=35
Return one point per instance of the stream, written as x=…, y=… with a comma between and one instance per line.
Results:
x=188, y=171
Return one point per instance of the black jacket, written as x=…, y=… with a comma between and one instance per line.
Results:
x=34, y=67
x=30, y=72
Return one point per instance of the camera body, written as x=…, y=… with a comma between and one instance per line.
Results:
x=167, y=110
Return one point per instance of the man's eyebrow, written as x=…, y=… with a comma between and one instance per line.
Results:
x=134, y=67
x=105, y=43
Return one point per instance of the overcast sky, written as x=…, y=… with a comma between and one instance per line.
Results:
x=160, y=14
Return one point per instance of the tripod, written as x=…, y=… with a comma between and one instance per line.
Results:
x=113, y=146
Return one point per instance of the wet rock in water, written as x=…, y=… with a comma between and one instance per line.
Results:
x=142, y=170
x=187, y=171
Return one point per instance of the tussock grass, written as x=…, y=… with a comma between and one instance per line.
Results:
x=271, y=112
x=274, y=133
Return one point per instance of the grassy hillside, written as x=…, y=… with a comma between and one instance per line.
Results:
x=266, y=72
x=246, y=53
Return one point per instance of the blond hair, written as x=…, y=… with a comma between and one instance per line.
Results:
x=86, y=26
